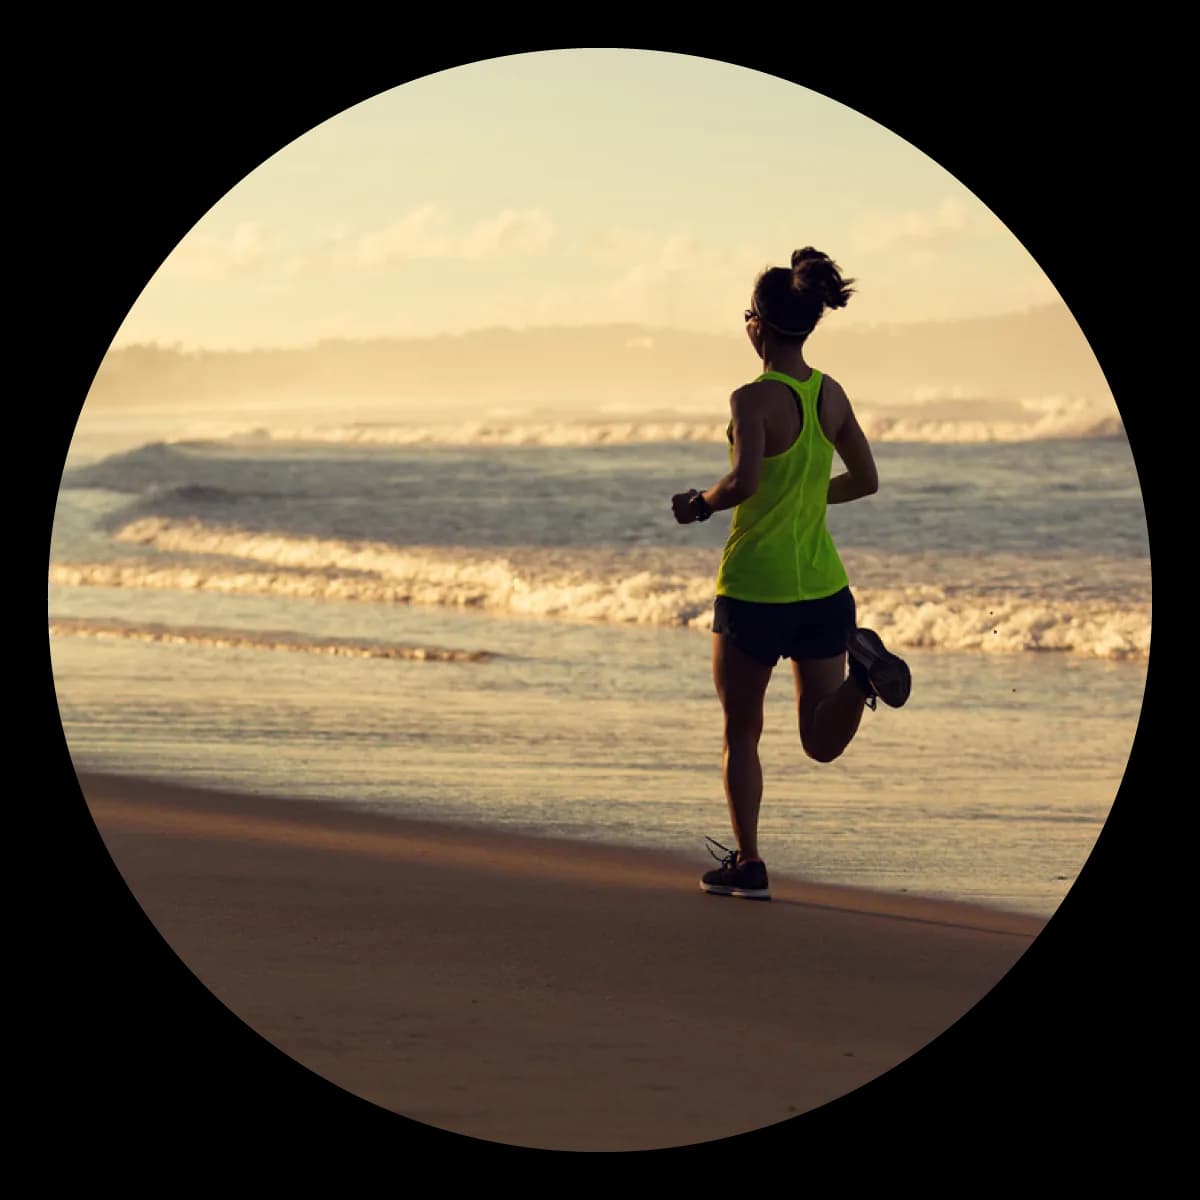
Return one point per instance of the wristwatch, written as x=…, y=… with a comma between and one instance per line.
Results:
x=703, y=512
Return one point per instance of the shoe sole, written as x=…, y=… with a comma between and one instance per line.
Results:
x=719, y=889
x=889, y=674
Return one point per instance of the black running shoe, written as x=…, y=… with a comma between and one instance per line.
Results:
x=877, y=671
x=731, y=878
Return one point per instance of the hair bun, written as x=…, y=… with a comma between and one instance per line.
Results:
x=808, y=254
x=817, y=275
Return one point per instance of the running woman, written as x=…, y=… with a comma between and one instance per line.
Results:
x=782, y=590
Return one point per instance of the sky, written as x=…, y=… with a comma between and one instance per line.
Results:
x=578, y=187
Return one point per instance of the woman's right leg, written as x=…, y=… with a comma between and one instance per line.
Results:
x=829, y=704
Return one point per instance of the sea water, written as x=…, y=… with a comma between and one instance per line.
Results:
x=503, y=626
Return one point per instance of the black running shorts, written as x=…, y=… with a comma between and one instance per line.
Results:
x=804, y=629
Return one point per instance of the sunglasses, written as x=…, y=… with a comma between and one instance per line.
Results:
x=750, y=313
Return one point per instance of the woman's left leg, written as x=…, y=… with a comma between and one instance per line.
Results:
x=741, y=683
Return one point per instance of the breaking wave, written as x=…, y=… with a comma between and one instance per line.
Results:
x=648, y=587
x=1069, y=422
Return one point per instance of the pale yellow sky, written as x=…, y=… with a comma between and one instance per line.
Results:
x=578, y=187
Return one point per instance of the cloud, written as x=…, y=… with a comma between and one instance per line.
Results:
x=672, y=277
x=913, y=230
x=428, y=232
x=213, y=256
x=649, y=263
x=639, y=250
x=523, y=231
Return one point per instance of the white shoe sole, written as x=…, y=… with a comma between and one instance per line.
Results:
x=719, y=889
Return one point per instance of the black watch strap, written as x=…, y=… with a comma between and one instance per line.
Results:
x=703, y=512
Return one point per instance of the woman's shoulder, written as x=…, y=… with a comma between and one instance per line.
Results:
x=770, y=383
x=753, y=393
x=832, y=391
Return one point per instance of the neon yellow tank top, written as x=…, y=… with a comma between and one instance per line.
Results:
x=779, y=550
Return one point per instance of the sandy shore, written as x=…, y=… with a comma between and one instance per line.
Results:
x=541, y=993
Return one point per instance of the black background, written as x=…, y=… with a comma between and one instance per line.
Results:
x=130, y=135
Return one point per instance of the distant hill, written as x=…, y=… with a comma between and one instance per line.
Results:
x=581, y=370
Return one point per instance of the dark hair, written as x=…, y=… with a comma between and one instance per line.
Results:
x=792, y=301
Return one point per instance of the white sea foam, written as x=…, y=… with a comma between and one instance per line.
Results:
x=645, y=587
x=245, y=639
x=1053, y=423
x=493, y=433
x=1048, y=421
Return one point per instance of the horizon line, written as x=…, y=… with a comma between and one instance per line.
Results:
x=624, y=326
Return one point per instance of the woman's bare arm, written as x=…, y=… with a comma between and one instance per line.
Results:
x=749, y=444
x=861, y=478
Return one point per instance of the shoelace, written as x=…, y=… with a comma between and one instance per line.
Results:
x=862, y=676
x=729, y=861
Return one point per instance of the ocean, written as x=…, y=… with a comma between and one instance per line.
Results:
x=501, y=624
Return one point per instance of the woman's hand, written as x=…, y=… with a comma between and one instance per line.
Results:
x=683, y=508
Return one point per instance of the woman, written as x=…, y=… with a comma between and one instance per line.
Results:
x=781, y=589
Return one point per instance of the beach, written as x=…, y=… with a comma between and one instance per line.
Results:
x=408, y=753
x=542, y=993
